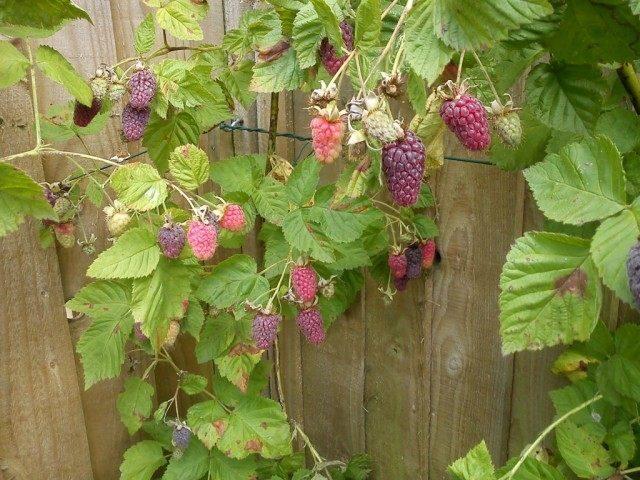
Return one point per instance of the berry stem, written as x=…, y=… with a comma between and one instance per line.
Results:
x=342, y=68
x=183, y=194
x=629, y=79
x=276, y=366
x=277, y=289
x=486, y=74
x=34, y=97
x=459, y=74
x=509, y=475
x=629, y=470
x=396, y=62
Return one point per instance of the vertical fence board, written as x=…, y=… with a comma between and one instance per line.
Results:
x=42, y=432
x=470, y=380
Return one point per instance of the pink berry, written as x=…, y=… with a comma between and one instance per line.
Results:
x=403, y=168
x=397, y=265
x=134, y=122
x=305, y=282
x=467, y=118
x=142, y=86
x=429, y=250
x=327, y=138
x=265, y=329
x=203, y=239
x=331, y=59
x=310, y=324
x=233, y=218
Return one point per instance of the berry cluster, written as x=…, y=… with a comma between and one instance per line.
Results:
x=63, y=228
x=409, y=263
x=330, y=58
x=135, y=116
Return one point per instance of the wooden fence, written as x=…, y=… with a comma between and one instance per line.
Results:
x=415, y=384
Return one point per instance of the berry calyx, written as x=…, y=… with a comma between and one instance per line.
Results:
x=232, y=218
x=310, y=324
x=403, y=167
x=142, y=86
x=330, y=58
x=203, y=239
x=265, y=329
x=304, y=281
x=327, y=130
x=171, y=238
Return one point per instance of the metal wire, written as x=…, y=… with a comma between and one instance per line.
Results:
x=237, y=125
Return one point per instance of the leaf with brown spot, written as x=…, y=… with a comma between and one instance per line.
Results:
x=208, y=421
x=574, y=284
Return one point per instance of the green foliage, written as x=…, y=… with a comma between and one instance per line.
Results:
x=58, y=69
x=13, y=65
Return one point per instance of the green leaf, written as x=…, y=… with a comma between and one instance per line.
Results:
x=302, y=183
x=189, y=165
x=101, y=346
x=468, y=24
x=231, y=281
x=158, y=298
x=582, y=450
x=257, y=425
x=621, y=442
x=278, y=75
x=585, y=182
x=619, y=376
x=142, y=460
x=297, y=234
x=135, y=254
x=162, y=136
x=276, y=249
x=222, y=467
x=425, y=52
x=533, y=469
x=145, y=35
x=271, y=200
x=237, y=365
x=610, y=250
x=475, y=465
x=102, y=298
x=139, y=186
x=330, y=21
x=180, y=18
x=239, y=174
x=194, y=319
x=20, y=196
x=193, y=464
x=193, y=384
x=308, y=32
x=37, y=18
x=550, y=292
x=566, y=97
x=134, y=403
x=208, y=421
x=237, y=79
x=622, y=126
x=368, y=25
x=339, y=225
x=58, y=69
x=13, y=65
x=217, y=336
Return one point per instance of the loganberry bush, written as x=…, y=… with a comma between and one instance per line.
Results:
x=573, y=130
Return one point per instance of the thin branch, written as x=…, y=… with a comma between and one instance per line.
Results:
x=34, y=97
x=629, y=79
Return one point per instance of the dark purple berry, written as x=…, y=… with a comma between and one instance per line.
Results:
x=265, y=329
x=134, y=122
x=82, y=115
x=311, y=325
x=414, y=261
x=403, y=168
x=172, y=238
x=331, y=59
x=181, y=437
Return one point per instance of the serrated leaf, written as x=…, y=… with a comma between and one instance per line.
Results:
x=193, y=464
x=619, y=376
x=101, y=346
x=237, y=79
x=302, y=183
x=622, y=126
x=194, y=319
x=208, y=421
x=242, y=173
x=217, y=336
x=566, y=97
x=231, y=281
x=139, y=186
x=298, y=235
x=307, y=35
x=475, y=465
x=135, y=254
x=158, y=298
x=37, y=18
x=532, y=469
x=610, y=249
x=339, y=225
x=111, y=298
x=134, y=403
x=368, y=25
x=94, y=193
x=180, y=18
x=585, y=182
x=276, y=249
x=621, y=442
x=189, y=165
x=13, y=65
x=468, y=24
x=142, y=460
x=282, y=74
x=162, y=136
x=271, y=200
x=58, y=69
x=550, y=292
x=582, y=450
x=193, y=384
x=145, y=35
x=425, y=52
x=20, y=196
x=257, y=425
x=329, y=20
x=222, y=467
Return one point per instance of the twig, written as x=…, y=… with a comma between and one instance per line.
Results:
x=629, y=79
x=273, y=122
x=486, y=74
x=34, y=97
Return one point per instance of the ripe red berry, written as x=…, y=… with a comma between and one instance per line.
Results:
x=265, y=329
x=331, y=59
x=203, y=239
x=327, y=138
x=397, y=264
x=429, y=250
x=134, y=122
x=305, y=282
x=403, y=167
x=142, y=86
x=467, y=118
x=310, y=324
x=82, y=115
x=171, y=238
x=233, y=218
